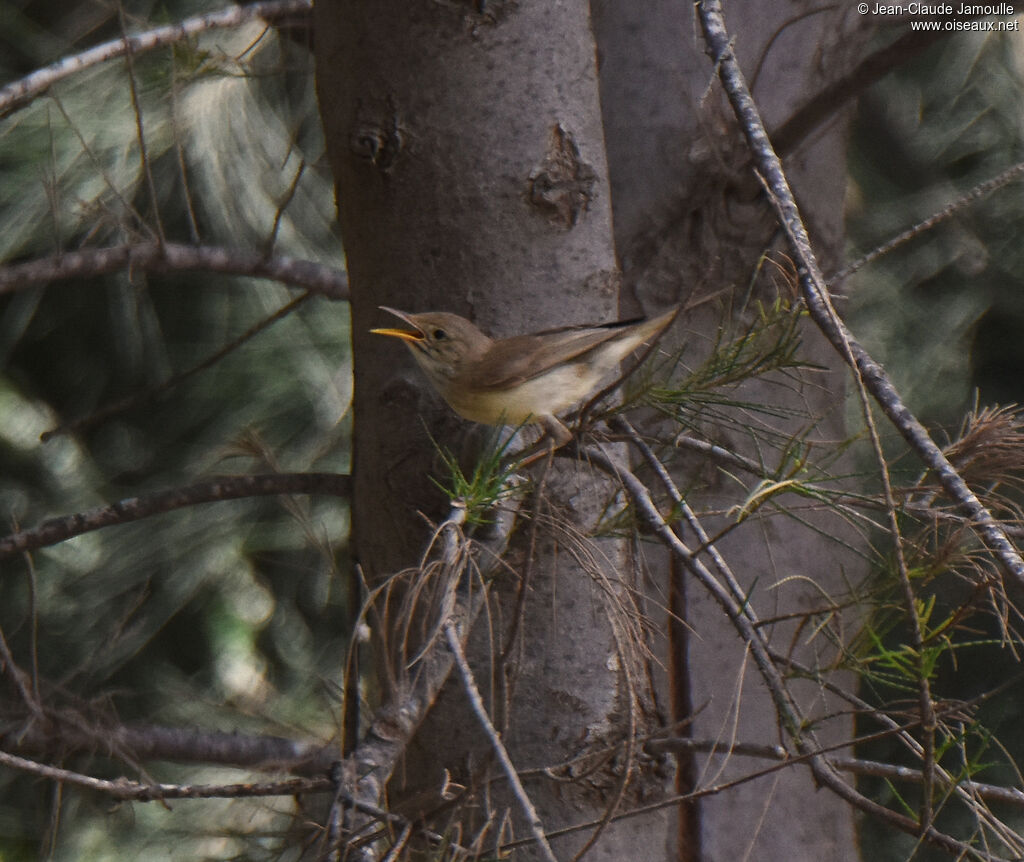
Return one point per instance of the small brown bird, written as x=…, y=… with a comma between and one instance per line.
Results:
x=525, y=378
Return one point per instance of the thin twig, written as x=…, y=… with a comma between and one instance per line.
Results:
x=719, y=453
x=123, y=788
x=477, y=703
x=140, y=129
x=856, y=765
x=948, y=211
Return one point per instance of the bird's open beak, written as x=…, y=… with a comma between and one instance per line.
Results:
x=404, y=334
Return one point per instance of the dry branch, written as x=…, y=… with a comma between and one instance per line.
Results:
x=175, y=744
x=175, y=257
x=393, y=725
x=134, y=508
x=476, y=701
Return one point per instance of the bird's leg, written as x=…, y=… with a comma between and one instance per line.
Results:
x=543, y=448
x=555, y=436
x=556, y=431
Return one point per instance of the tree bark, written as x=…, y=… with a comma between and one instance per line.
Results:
x=443, y=129
x=469, y=159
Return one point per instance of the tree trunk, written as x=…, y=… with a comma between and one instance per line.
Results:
x=469, y=159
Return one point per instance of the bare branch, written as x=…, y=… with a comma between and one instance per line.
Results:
x=856, y=765
x=175, y=257
x=477, y=703
x=123, y=788
x=135, y=508
x=18, y=93
x=177, y=744
x=815, y=293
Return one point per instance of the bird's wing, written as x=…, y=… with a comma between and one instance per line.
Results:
x=524, y=357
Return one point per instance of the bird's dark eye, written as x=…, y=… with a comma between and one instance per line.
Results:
x=439, y=335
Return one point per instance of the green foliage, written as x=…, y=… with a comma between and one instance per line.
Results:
x=769, y=342
x=492, y=479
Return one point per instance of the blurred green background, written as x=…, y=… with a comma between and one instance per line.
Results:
x=227, y=616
